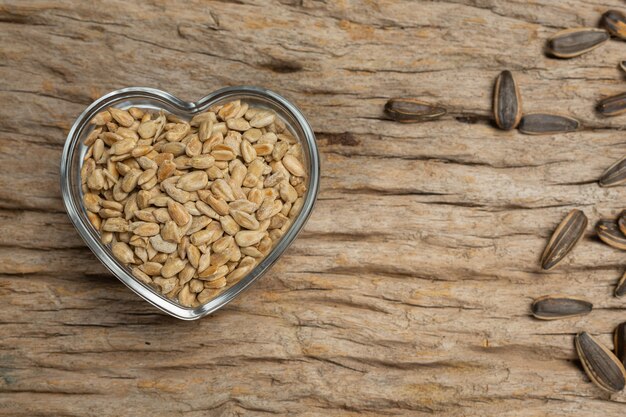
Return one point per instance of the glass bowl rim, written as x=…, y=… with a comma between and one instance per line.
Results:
x=85, y=230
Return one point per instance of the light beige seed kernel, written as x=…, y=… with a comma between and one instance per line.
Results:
x=245, y=220
x=222, y=244
x=186, y=274
x=116, y=224
x=92, y=202
x=186, y=297
x=101, y=118
x=151, y=268
x=144, y=229
x=165, y=284
x=213, y=272
x=162, y=215
x=262, y=119
x=178, y=195
x=137, y=273
x=193, y=255
x=229, y=225
x=246, y=238
x=177, y=132
x=216, y=283
x=196, y=286
x=123, y=252
x=263, y=149
x=170, y=232
x=122, y=117
x=166, y=170
x=205, y=261
x=95, y=220
x=178, y=213
x=172, y=267
x=193, y=181
x=148, y=129
x=202, y=161
x=294, y=166
x=240, y=124
x=222, y=190
x=161, y=245
x=141, y=253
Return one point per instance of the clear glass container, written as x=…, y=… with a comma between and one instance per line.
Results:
x=150, y=98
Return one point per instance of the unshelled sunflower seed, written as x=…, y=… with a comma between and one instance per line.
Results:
x=507, y=103
x=570, y=43
x=615, y=22
x=409, y=110
x=621, y=222
x=612, y=106
x=614, y=175
x=553, y=307
x=619, y=340
x=622, y=65
x=565, y=237
x=546, y=123
x=620, y=288
x=610, y=234
x=601, y=365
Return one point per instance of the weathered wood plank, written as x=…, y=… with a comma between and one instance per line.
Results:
x=408, y=293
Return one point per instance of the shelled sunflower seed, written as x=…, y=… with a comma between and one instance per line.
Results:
x=554, y=307
x=507, y=102
x=615, y=22
x=614, y=175
x=601, y=365
x=546, y=123
x=565, y=237
x=619, y=341
x=570, y=43
x=609, y=233
x=612, y=106
x=410, y=110
x=191, y=207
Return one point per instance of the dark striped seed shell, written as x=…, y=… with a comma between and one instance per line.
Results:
x=621, y=222
x=615, y=22
x=622, y=65
x=553, y=307
x=409, y=110
x=507, y=103
x=610, y=234
x=619, y=340
x=564, y=238
x=614, y=175
x=601, y=365
x=546, y=123
x=570, y=43
x=620, y=288
x=612, y=106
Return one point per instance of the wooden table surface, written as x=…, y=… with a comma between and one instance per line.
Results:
x=408, y=292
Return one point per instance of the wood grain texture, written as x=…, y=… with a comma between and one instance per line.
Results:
x=408, y=293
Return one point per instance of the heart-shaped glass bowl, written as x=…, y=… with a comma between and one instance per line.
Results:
x=150, y=98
